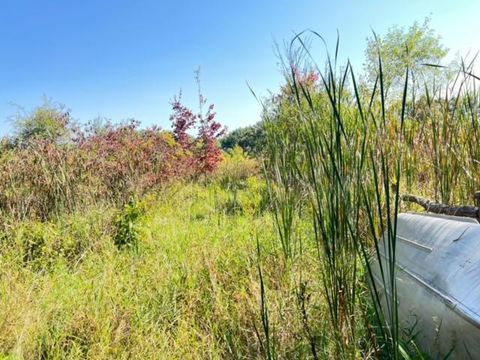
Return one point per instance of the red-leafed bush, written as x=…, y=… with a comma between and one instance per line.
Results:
x=203, y=152
x=44, y=177
x=183, y=120
x=127, y=160
x=53, y=166
x=208, y=152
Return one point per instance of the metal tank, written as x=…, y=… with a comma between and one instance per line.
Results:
x=438, y=283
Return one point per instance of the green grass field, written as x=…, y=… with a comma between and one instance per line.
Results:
x=190, y=288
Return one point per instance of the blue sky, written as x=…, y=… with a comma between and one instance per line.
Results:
x=122, y=59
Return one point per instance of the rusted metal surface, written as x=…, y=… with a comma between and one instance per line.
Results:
x=438, y=283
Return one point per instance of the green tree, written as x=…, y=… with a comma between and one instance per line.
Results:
x=401, y=48
x=251, y=139
x=47, y=122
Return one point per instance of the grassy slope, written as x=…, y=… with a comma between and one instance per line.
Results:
x=190, y=291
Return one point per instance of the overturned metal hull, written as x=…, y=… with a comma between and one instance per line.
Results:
x=437, y=275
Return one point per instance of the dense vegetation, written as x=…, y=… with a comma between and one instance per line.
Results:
x=339, y=154
x=123, y=242
x=250, y=138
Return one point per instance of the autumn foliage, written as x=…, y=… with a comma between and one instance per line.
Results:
x=58, y=167
x=202, y=152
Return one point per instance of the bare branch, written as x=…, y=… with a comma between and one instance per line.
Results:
x=467, y=211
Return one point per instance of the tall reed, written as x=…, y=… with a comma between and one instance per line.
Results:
x=339, y=153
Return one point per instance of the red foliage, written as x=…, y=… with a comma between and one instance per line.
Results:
x=209, y=154
x=46, y=176
x=203, y=152
x=127, y=158
x=112, y=163
x=305, y=78
x=183, y=119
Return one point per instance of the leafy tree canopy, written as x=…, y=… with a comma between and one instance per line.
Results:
x=48, y=122
x=251, y=139
x=404, y=47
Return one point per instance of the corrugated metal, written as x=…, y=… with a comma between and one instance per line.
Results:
x=438, y=283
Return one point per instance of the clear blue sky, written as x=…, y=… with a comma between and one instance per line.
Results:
x=126, y=59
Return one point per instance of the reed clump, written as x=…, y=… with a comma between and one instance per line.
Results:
x=340, y=151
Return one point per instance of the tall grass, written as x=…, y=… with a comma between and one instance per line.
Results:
x=342, y=165
x=339, y=153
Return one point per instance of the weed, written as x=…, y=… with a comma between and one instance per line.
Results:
x=126, y=225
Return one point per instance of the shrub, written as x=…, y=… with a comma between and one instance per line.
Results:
x=236, y=168
x=126, y=234
x=50, y=122
x=45, y=178
x=202, y=152
x=128, y=161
